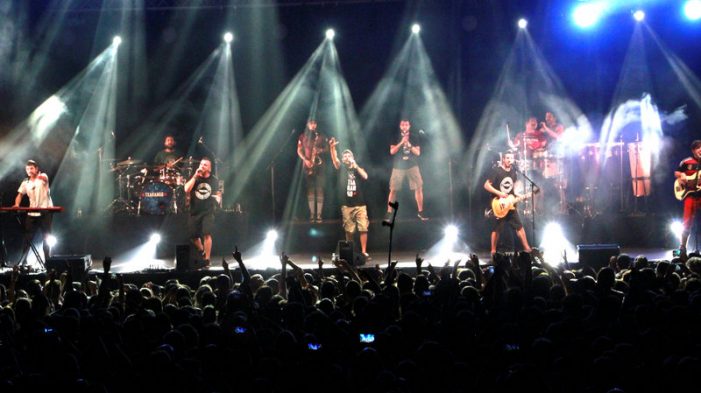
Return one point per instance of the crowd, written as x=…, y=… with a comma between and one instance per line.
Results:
x=512, y=324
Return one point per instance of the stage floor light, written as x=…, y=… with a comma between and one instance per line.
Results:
x=692, y=9
x=51, y=241
x=676, y=228
x=155, y=238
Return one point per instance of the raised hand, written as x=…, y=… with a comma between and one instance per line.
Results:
x=237, y=255
x=419, y=261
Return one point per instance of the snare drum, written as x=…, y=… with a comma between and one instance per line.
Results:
x=155, y=198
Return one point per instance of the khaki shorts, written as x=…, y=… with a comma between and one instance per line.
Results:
x=353, y=215
x=414, y=175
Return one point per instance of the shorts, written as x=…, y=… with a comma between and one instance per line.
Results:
x=355, y=216
x=200, y=224
x=397, y=178
x=512, y=218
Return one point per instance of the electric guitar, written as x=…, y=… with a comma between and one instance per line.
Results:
x=502, y=206
x=692, y=185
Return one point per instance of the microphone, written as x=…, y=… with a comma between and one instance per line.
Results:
x=394, y=205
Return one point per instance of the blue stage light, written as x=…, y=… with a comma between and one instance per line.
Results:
x=692, y=9
x=588, y=14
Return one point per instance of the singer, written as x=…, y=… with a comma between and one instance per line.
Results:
x=351, y=181
x=36, y=188
x=504, y=177
x=406, y=164
x=205, y=196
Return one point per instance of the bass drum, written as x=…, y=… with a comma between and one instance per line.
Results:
x=155, y=198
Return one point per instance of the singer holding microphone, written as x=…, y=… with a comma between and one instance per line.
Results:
x=406, y=164
x=205, y=196
x=354, y=210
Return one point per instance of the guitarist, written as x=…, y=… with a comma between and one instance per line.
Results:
x=311, y=145
x=501, y=183
x=687, y=175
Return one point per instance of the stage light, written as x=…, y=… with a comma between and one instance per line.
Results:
x=51, y=241
x=155, y=238
x=522, y=23
x=588, y=14
x=554, y=244
x=330, y=34
x=272, y=235
x=639, y=15
x=415, y=28
x=692, y=9
x=451, y=232
x=117, y=40
x=676, y=227
x=228, y=37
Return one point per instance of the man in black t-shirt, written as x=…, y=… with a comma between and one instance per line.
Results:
x=501, y=182
x=406, y=153
x=351, y=181
x=205, y=196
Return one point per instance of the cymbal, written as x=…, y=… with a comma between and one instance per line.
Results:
x=129, y=162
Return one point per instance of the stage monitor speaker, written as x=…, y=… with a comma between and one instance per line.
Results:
x=185, y=260
x=597, y=255
x=344, y=250
x=79, y=265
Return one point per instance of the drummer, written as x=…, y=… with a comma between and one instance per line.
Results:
x=534, y=139
x=167, y=157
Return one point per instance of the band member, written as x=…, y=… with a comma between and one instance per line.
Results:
x=533, y=138
x=168, y=156
x=504, y=177
x=687, y=174
x=205, y=196
x=311, y=146
x=352, y=180
x=36, y=188
x=551, y=127
x=406, y=164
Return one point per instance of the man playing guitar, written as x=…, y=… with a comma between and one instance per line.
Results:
x=311, y=145
x=504, y=177
x=687, y=175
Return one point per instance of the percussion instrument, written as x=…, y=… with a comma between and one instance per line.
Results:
x=155, y=198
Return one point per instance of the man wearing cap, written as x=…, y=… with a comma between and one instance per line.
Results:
x=36, y=188
x=352, y=180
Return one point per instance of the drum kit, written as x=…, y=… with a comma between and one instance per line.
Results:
x=151, y=189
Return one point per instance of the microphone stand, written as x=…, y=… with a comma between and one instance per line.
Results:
x=271, y=166
x=534, y=188
x=390, y=224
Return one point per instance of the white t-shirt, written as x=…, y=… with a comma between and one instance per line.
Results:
x=38, y=192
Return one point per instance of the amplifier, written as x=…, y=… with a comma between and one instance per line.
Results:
x=79, y=265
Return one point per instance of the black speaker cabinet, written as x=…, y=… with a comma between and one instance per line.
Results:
x=79, y=265
x=344, y=250
x=186, y=260
x=597, y=255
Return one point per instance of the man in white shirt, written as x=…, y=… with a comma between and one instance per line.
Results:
x=36, y=188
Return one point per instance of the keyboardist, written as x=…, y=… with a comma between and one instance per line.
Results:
x=36, y=188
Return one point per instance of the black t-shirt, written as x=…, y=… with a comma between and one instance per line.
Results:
x=202, y=195
x=503, y=180
x=405, y=159
x=350, y=187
